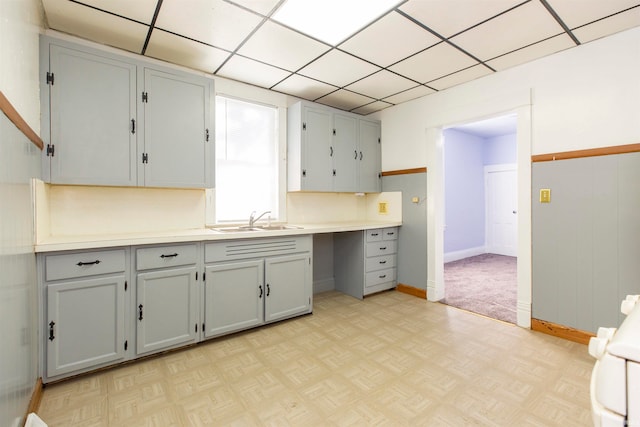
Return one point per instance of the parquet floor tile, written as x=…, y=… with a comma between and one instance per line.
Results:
x=390, y=360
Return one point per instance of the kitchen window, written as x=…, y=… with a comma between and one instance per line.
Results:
x=248, y=164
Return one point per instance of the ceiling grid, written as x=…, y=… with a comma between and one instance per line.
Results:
x=408, y=49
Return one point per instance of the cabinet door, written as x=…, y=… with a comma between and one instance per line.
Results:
x=166, y=309
x=234, y=295
x=92, y=113
x=177, y=130
x=345, y=153
x=288, y=286
x=317, y=150
x=369, y=157
x=85, y=324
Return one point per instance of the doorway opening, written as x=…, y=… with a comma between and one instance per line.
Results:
x=480, y=217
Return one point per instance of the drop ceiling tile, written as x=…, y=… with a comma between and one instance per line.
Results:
x=263, y=7
x=462, y=76
x=389, y=40
x=529, y=53
x=304, y=87
x=338, y=68
x=345, y=100
x=253, y=72
x=408, y=95
x=449, y=17
x=139, y=10
x=208, y=21
x=433, y=63
x=94, y=25
x=281, y=47
x=178, y=50
x=522, y=26
x=575, y=15
x=614, y=24
x=372, y=108
x=381, y=84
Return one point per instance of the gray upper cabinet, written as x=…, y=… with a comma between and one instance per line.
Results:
x=90, y=98
x=345, y=153
x=114, y=120
x=332, y=150
x=369, y=161
x=177, y=123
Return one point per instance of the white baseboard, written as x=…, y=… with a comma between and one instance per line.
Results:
x=324, y=285
x=432, y=295
x=465, y=253
x=523, y=314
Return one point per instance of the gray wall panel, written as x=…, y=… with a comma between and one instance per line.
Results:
x=586, y=242
x=412, y=236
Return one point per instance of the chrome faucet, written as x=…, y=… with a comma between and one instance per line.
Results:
x=253, y=219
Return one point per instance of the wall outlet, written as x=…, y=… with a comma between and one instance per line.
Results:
x=382, y=208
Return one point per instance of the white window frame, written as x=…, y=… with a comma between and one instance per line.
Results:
x=281, y=142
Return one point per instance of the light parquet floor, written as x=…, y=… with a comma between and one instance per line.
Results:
x=390, y=360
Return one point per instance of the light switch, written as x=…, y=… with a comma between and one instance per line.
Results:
x=545, y=195
x=415, y=200
x=382, y=208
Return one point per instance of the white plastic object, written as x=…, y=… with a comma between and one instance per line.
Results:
x=629, y=303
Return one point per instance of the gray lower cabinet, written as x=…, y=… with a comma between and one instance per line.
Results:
x=85, y=298
x=256, y=281
x=166, y=307
x=365, y=261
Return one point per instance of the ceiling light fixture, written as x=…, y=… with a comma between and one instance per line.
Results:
x=331, y=21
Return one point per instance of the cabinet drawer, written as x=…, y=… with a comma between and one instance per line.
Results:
x=82, y=264
x=166, y=256
x=390, y=233
x=381, y=248
x=374, y=235
x=376, y=277
x=380, y=262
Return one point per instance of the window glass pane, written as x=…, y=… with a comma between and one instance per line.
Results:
x=246, y=159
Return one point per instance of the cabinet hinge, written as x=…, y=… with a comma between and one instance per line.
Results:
x=196, y=276
x=334, y=172
x=203, y=327
x=206, y=135
x=304, y=126
x=51, y=150
x=379, y=175
x=334, y=131
x=304, y=172
x=125, y=285
x=145, y=97
x=378, y=140
x=145, y=158
x=49, y=78
x=126, y=345
x=196, y=328
x=204, y=276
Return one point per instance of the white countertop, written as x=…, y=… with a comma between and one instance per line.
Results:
x=70, y=242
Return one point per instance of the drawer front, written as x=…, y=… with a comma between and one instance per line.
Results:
x=376, y=277
x=83, y=264
x=381, y=248
x=256, y=248
x=390, y=233
x=380, y=262
x=166, y=256
x=374, y=235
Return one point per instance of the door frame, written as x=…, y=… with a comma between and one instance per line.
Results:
x=519, y=103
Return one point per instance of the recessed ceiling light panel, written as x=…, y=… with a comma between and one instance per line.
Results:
x=331, y=21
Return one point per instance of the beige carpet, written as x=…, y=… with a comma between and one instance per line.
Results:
x=485, y=284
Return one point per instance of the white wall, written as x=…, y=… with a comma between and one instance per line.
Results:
x=585, y=97
x=20, y=24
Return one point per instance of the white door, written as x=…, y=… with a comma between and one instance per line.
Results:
x=501, y=190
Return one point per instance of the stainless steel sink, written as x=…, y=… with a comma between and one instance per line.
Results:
x=245, y=228
x=279, y=227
